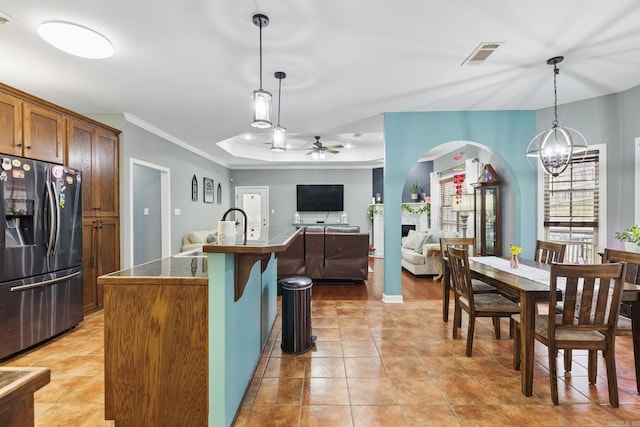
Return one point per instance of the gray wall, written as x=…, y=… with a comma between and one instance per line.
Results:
x=282, y=192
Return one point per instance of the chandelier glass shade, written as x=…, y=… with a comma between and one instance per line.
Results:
x=261, y=109
x=261, y=98
x=558, y=146
x=279, y=138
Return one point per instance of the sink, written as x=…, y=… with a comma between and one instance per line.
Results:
x=194, y=253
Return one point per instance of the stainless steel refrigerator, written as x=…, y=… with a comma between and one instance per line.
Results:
x=40, y=252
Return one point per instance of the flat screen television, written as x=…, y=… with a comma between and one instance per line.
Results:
x=320, y=198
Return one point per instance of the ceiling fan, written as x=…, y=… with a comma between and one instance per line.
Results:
x=319, y=148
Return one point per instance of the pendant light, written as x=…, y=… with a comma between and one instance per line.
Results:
x=279, y=132
x=557, y=146
x=261, y=98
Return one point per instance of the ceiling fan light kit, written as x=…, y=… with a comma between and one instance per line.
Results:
x=261, y=98
x=557, y=146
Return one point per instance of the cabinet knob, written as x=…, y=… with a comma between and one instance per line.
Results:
x=28, y=147
x=19, y=145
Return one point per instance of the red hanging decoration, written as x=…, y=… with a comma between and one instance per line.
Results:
x=458, y=181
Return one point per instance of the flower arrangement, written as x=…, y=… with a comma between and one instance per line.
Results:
x=515, y=250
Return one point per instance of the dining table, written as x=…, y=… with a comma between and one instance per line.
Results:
x=529, y=283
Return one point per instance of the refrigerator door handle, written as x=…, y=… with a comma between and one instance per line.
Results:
x=56, y=198
x=43, y=283
x=52, y=219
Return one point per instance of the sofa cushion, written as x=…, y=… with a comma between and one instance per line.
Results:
x=414, y=240
x=413, y=257
x=350, y=229
x=199, y=236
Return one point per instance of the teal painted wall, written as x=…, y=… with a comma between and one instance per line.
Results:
x=409, y=135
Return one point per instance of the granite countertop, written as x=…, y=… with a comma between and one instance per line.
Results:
x=259, y=241
x=15, y=379
x=187, y=269
x=190, y=268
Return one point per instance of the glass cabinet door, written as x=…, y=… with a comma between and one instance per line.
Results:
x=490, y=221
x=487, y=218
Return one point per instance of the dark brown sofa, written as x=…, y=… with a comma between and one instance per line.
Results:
x=327, y=253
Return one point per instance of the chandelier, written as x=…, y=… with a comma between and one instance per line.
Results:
x=557, y=146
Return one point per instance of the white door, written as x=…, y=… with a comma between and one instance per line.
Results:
x=255, y=202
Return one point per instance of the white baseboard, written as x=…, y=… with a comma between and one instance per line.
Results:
x=392, y=299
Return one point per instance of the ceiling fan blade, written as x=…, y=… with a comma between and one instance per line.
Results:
x=328, y=150
x=335, y=146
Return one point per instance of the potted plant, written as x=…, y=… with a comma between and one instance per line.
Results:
x=414, y=190
x=630, y=236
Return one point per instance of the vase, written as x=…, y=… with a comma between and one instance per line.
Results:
x=631, y=247
x=513, y=262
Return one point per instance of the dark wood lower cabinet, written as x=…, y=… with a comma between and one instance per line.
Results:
x=101, y=255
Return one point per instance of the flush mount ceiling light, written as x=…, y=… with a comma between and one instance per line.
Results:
x=76, y=39
x=557, y=146
x=261, y=98
x=279, y=132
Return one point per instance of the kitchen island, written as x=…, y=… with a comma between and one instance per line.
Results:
x=183, y=335
x=17, y=386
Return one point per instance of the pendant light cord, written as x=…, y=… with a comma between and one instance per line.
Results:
x=260, y=55
x=556, y=71
x=279, y=98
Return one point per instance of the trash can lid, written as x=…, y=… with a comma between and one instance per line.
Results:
x=295, y=283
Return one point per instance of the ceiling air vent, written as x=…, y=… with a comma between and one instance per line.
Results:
x=481, y=53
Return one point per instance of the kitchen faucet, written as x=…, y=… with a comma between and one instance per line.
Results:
x=224, y=218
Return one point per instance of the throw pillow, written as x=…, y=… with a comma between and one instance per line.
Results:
x=212, y=238
x=414, y=240
x=199, y=236
x=434, y=237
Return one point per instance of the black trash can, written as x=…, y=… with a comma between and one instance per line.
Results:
x=296, y=314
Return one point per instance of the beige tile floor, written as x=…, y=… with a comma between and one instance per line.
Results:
x=374, y=364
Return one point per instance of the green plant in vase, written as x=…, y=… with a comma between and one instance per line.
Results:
x=630, y=236
x=413, y=188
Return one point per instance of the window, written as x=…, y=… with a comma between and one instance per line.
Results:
x=449, y=220
x=571, y=208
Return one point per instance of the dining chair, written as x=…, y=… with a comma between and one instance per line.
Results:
x=478, y=286
x=633, y=276
x=548, y=252
x=592, y=298
x=491, y=305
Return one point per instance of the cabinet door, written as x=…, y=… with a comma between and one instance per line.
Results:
x=43, y=133
x=105, y=173
x=10, y=125
x=107, y=250
x=80, y=137
x=89, y=265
